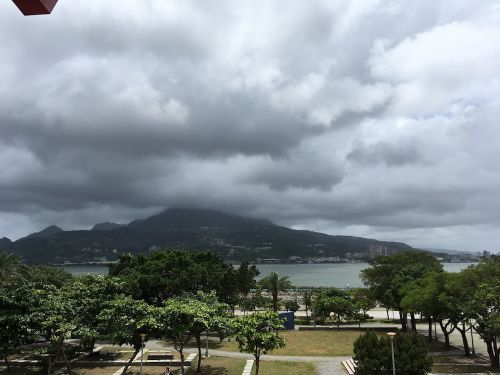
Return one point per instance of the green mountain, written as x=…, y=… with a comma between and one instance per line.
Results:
x=232, y=237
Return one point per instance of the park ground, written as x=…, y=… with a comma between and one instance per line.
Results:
x=311, y=352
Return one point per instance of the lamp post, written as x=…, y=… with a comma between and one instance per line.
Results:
x=143, y=335
x=391, y=335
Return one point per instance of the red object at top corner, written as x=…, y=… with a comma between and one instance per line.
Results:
x=34, y=7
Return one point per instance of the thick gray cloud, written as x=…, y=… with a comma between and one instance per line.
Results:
x=372, y=118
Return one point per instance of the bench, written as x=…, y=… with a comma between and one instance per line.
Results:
x=350, y=366
x=160, y=357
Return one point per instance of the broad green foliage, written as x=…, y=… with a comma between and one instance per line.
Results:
x=291, y=305
x=373, y=355
x=274, y=284
x=10, y=265
x=307, y=299
x=15, y=317
x=258, y=334
x=484, y=304
x=124, y=319
x=363, y=299
x=46, y=275
x=387, y=276
x=423, y=295
x=161, y=275
x=246, y=277
x=183, y=318
x=256, y=301
x=89, y=295
x=333, y=301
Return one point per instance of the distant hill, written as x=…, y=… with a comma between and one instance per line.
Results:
x=107, y=226
x=232, y=237
x=47, y=232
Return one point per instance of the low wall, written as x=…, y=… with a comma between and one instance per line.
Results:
x=347, y=328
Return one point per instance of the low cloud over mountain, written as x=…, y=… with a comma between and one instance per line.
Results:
x=369, y=118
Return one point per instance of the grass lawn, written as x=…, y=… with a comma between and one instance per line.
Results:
x=76, y=371
x=209, y=366
x=454, y=364
x=24, y=371
x=285, y=368
x=460, y=369
x=310, y=343
x=438, y=346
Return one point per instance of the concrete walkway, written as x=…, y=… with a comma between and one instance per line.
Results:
x=324, y=365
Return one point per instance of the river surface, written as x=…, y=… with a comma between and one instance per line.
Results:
x=339, y=275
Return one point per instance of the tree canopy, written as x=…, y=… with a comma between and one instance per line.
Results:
x=161, y=275
x=258, y=333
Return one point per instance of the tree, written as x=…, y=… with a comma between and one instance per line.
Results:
x=89, y=295
x=125, y=319
x=161, y=275
x=10, y=265
x=291, y=305
x=484, y=304
x=181, y=319
x=255, y=301
x=52, y=317
x=15, y=317
x=212, y=315
x=307, y=299
x=387, y=275
x=46, y=275
x=274, y=284
x=374, y=355
x=335, y=301
x=246, y=275
x=363, y=300
x=422, y=296
x=258, y=333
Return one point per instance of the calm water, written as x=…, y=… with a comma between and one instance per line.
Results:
x=336, y=275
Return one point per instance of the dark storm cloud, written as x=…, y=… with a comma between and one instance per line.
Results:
x=357, y=117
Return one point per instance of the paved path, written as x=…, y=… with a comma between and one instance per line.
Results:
x=324, y=365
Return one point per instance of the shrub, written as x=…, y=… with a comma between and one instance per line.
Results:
x=373, y=354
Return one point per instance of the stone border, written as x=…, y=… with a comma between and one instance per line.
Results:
x=341, y=328
x=248, y=367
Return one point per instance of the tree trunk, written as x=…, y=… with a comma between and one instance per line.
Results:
x=463, y=333
x=445, y=333
x=198, y=344
x=387, y=312
x=413, y=323
x=91, y=350
x=66, y=360
x=307, y=312
x=493, y=353
x=275, y=300
x=6, y=362
x=52, y=362
x=257, y=363
x=402, y=319
x=130, y=361
x=429, y=320
x=182, y=360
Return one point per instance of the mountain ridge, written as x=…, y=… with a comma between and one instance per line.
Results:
x=230, y=236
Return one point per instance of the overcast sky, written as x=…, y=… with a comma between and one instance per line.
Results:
x=368, y=118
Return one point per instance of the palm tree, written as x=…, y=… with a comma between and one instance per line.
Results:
x=274, y=284
x=9, y=265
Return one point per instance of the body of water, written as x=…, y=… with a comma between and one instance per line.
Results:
x=339, y=275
